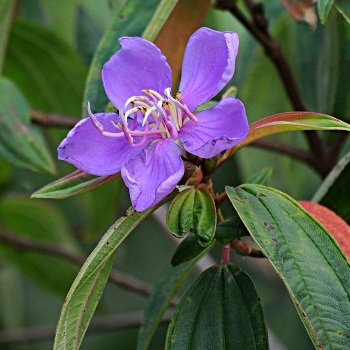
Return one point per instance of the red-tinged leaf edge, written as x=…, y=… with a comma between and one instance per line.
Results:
x=334, y=224
x=287, y=121
x=72, y=184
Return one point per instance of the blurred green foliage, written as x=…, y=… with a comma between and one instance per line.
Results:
x=46, y=51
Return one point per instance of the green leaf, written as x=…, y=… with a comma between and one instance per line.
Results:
x=50, y=74
x=129, y=20
x=161, y=14
x=38, y=222
x=324, y=7
x=333, y=192
x=289, y=121
x=164, y=290
x=193, y=209
x=221, y=310
x=72, y=184
x=20, y=143
x=187, y=250
x=343, y=6
x=262, y=177
x=61, y=17
x=307, y=258
x=230, y=229
x=6, y=13
x=86, y=290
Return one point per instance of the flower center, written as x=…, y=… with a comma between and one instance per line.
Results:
x=149, y=115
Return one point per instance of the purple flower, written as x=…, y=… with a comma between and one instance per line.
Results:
x=146, y=139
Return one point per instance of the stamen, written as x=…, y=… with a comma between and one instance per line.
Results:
x=148, y=113
x=130, y=111
x=100, y=127
x=183, y=107
x=133, y=99
x=154, y=94
x=97, y=124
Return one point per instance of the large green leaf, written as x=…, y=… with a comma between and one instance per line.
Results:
x=86, y=290
x=20, y=143
x=47, y=70
x=6, y=13
x=72, y=184
x=61, y=17
x=132, y=19
x=307, y=258
x=38, y=222
x=164, y=289
x=334, y=191
x=221, y=310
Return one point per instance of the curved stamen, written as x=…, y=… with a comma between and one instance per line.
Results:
x=97, y=124
x=133, y=99
x=156, y=96
x=148, y=113
x=130, y=111
x=183, y=107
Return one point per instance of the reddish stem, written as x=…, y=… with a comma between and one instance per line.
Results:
x=225, y=254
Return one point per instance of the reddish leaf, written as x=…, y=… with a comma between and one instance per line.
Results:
x=187, y=16
x=301, y=10
x=339, y=229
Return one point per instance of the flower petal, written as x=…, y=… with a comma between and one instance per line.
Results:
x=88, y=150
x=153, y=174
x=138, y=65
x=208, y=65
x=219, y=128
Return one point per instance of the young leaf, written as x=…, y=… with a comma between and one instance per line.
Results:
x=332, y=194
x=72, y=184
x=289, y=121
x=86, y=290
x=221, y=310
x=20, y=143
x=164, y=289
x=188, y=249
x=130, y=20
x=307, y=258
x=193, y=209
x=230, y=229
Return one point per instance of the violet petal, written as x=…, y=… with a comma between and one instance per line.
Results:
x=219, y=128
x=138, y=65
x=88, y=150
x=208, y=65
x=153, y=174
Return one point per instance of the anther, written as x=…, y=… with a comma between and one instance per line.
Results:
x=182, y=106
